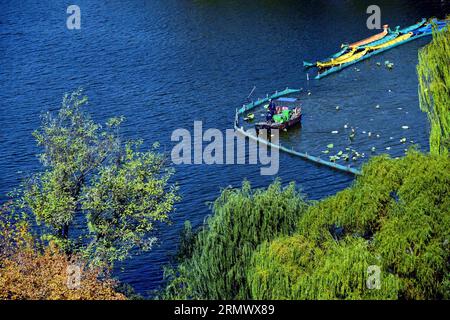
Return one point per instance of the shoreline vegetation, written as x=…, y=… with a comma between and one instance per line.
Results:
x=395, y=217
x=259, y=244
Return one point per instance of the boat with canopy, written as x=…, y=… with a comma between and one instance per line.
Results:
x=287, y=113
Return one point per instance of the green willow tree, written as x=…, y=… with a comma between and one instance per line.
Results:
x=97, y=195
x=215, y=265
x=434, y=89
x=396, y=216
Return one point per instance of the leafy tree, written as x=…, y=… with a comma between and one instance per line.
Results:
x=98, y=194
x=395, y=216
x=434, y=89
x=216, y=265
x=30, y=271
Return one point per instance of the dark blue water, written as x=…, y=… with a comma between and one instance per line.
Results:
x=164, y=64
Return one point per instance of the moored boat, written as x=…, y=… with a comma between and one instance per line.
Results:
x=288, y=113
x=392, y=42
x=371, y=39
x=354, y=56
x=416, y=31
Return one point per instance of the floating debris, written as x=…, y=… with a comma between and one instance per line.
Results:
x=369, y=134
x=373, y=149
x=391, y=138
x=388, y=64
x=334, y=158
x=378, y=135
x=334, y=132
x=403, y=140
x=379, y=64
x=405, y=127
x=340, y=153
x=352, y=135
x=364, y=132
x=399, y=108
x=337, y=108
x=330, y=146
x=388, y=148
x=326, y=151
x=249, y=117
x=377, y=106
x=345, y=126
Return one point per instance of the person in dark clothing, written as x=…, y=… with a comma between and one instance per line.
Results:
x=272, y=107
x=271, y=110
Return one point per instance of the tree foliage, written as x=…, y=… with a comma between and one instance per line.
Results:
x=434, y=89
x=98, y=195
x=396, y=216
x=243, y=218
x=33, y=272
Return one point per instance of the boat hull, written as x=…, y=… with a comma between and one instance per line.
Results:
x=278, y=126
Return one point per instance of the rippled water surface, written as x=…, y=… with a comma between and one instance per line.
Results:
x=164, y=64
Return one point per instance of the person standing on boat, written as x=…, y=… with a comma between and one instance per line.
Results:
x=271, y=110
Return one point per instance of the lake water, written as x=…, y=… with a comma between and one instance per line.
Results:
x=163, y=64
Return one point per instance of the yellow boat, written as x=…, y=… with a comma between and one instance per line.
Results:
x=337, y=60
x=350, y=58
x=392, y=42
